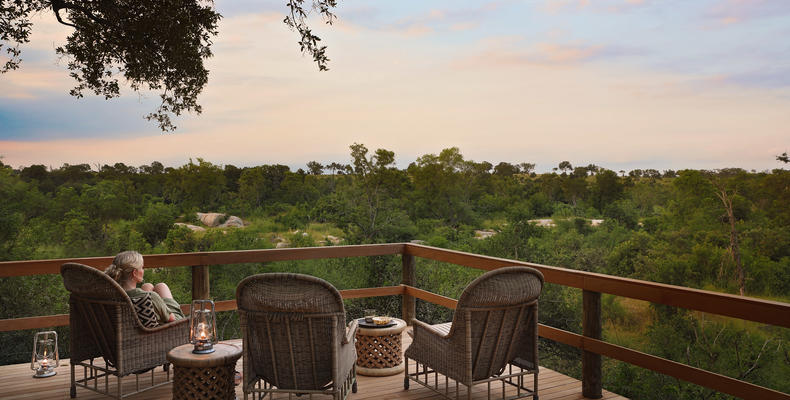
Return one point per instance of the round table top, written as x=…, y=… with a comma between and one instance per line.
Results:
x=399, y=326
x=182, y=356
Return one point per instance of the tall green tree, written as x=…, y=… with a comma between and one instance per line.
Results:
x=200, y=184
x=565, y=166
x=156, y=222
x=607, y=188
x=726, y=190
x=368, y=208
x=315, y=168
x=19, y=201
x=505, y=169
x=527, y=168
x=261, y=183
x=445, y=185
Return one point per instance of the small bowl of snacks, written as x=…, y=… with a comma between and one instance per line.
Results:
x=369, y=314
x=381, y=320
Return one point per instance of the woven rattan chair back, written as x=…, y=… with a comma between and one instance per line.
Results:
x=104, y=324
x=97, y=304
x=292, y=325
x=493, y=337
x=496, y=314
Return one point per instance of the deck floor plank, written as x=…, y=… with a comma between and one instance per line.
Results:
x=17, y=383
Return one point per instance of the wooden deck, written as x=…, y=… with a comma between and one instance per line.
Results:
x=16, y=382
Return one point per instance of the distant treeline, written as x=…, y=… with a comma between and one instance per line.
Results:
x=724, y=230
x=80, y=208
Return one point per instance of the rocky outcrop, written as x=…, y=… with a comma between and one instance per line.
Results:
x=547, y=222
x=210, y=219
x=232, y=221
x=194, y=228
x=280, y=242
x=484, y=234
x=334, y=239
x=220, y=220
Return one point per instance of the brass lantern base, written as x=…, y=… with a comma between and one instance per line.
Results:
x=203, y=348
x=44, y=373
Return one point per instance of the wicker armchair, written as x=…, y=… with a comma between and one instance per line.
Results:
x=493, y=332
x=295, y=336
x=104, y=326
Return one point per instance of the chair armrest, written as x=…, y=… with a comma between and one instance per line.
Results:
x=433, y=347
x=147, y=347
x=351, y=331
x=419, y=325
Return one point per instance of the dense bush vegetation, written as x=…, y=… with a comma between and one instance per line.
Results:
x=724, y=230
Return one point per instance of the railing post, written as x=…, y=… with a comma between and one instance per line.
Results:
x=409, y=307
x=200, y=286
x=591, y=362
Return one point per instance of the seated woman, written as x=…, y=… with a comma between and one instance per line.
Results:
x=127, y=270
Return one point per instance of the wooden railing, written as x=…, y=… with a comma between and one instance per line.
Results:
x=592, y=285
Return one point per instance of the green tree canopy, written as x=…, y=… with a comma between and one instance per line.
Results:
x=315, y=168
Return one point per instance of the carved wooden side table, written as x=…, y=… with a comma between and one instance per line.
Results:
x=204, y=376
x=379, y=350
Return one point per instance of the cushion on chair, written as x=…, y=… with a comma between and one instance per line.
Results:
x=145, y=311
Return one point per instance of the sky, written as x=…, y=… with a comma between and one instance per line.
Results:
x=623, y=84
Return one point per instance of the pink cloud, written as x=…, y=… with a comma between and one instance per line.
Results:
x=562, y=54
x=609, y=6
x=416, y=29
x=729, y=20
x=464, y=26
x=557, y=6
x=503, y=52
x=435, y=20
x=732, y=11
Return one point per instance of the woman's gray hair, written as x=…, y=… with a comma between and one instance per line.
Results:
x=123, y=265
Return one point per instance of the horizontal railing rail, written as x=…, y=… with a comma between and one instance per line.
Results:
x=43, y=267
x=746, y=308
x=47, y=321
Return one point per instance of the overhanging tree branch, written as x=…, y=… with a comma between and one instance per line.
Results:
x=58, y=5
x=157, y=45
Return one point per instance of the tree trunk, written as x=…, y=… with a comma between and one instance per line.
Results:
x=735, y=251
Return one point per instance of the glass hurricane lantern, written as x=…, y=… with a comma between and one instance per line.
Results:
x=45, y=354
x=202, y=326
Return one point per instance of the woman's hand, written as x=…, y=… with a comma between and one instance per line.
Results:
x=171, y=318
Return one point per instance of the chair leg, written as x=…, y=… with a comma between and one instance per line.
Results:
x=354, y=377
x=406, y=374
x=73, y=388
